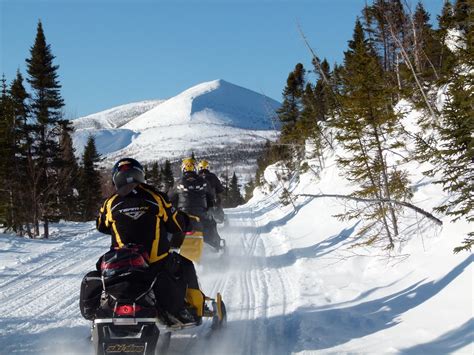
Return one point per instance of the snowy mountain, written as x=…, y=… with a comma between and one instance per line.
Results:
x=209, y=119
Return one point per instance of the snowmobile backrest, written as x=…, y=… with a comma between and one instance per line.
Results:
x=122, y=262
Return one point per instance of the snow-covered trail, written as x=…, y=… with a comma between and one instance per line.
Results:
x=253, y=291
x=283, y=290
x=39, y=291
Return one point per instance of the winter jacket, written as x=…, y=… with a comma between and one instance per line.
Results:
x=143, y=216
x=192, y=195
x=214, y=183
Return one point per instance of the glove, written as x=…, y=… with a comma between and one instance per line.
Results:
x=176, y=240
x=173, y=265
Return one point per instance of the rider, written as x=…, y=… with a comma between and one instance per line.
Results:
x=216, y=189
x=212, y=180
x=193, y=195
x=139, y=214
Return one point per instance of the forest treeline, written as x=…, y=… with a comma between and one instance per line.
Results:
x=350, y=108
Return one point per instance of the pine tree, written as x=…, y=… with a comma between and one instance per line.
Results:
x=385, y=19
x=289, y=112
x=68, y=176
x=366, y=131
x=154, y=176
x=167, y=177
x=446, y=19
x=455, y=161
x=21, y=143
x=463, y=15
x=446, y=22
x=46, y=110
x=6, y=141
x=426, y=48
x=89, y=182
x=235, y=197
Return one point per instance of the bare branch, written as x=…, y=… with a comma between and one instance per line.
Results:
x=379, y=200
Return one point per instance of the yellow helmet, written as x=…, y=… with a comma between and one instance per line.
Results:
x=188, y=164
x=203, y=164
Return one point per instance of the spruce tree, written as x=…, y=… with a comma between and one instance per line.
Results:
x=89, y=182
x=21, y=143
x=46, y=110
x=463, y=15
x=6, y=151
x=167, y=177
x=366, y=130
x=235, y=197
x=68, y=176
x=455, y=161
x=446, y=22
x=427, y=48
x=290, y=111
x=154, y=176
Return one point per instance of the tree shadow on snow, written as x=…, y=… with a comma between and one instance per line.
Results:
x=313, y=329
x=337, y=326
x=317, y=250
x=266, y=228
x=447, y=343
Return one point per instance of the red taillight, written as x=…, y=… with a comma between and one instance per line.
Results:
x=127, y=309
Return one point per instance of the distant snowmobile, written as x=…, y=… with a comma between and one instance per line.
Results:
x=193, y=242
x=127, y=319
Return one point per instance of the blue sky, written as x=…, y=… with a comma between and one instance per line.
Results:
x=113, y=52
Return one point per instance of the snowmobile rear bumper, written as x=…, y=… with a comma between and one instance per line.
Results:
x=125, y=336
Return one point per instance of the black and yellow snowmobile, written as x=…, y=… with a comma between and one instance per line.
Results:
x=125, y=318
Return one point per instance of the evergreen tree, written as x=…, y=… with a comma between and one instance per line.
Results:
x=21, y=144
x=463, y=15
x=445, y=23
x=455, y=161
x=154, y=176
x=446, y=19
x=426, y=48
x=235, y=197
x=89, y=182
x=68, y=176
x=289, y=112
x=46, y=105
x=167, y=177
x=385, y=19
x=366, y=131
x=6, y=140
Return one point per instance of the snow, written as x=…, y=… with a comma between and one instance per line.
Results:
x=455, y=40
x=115, y=117
x=290, y=281
x=107, y=141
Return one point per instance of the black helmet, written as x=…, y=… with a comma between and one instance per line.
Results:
x=126, y=171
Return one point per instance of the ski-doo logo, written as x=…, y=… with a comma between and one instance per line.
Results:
x=134, y=212
x=125, y=348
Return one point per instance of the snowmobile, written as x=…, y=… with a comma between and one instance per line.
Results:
x=193, y=242
x=127, y=320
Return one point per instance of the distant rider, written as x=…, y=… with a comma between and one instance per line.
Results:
x=137, y=213
x=193, y=195
x=216, y=189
